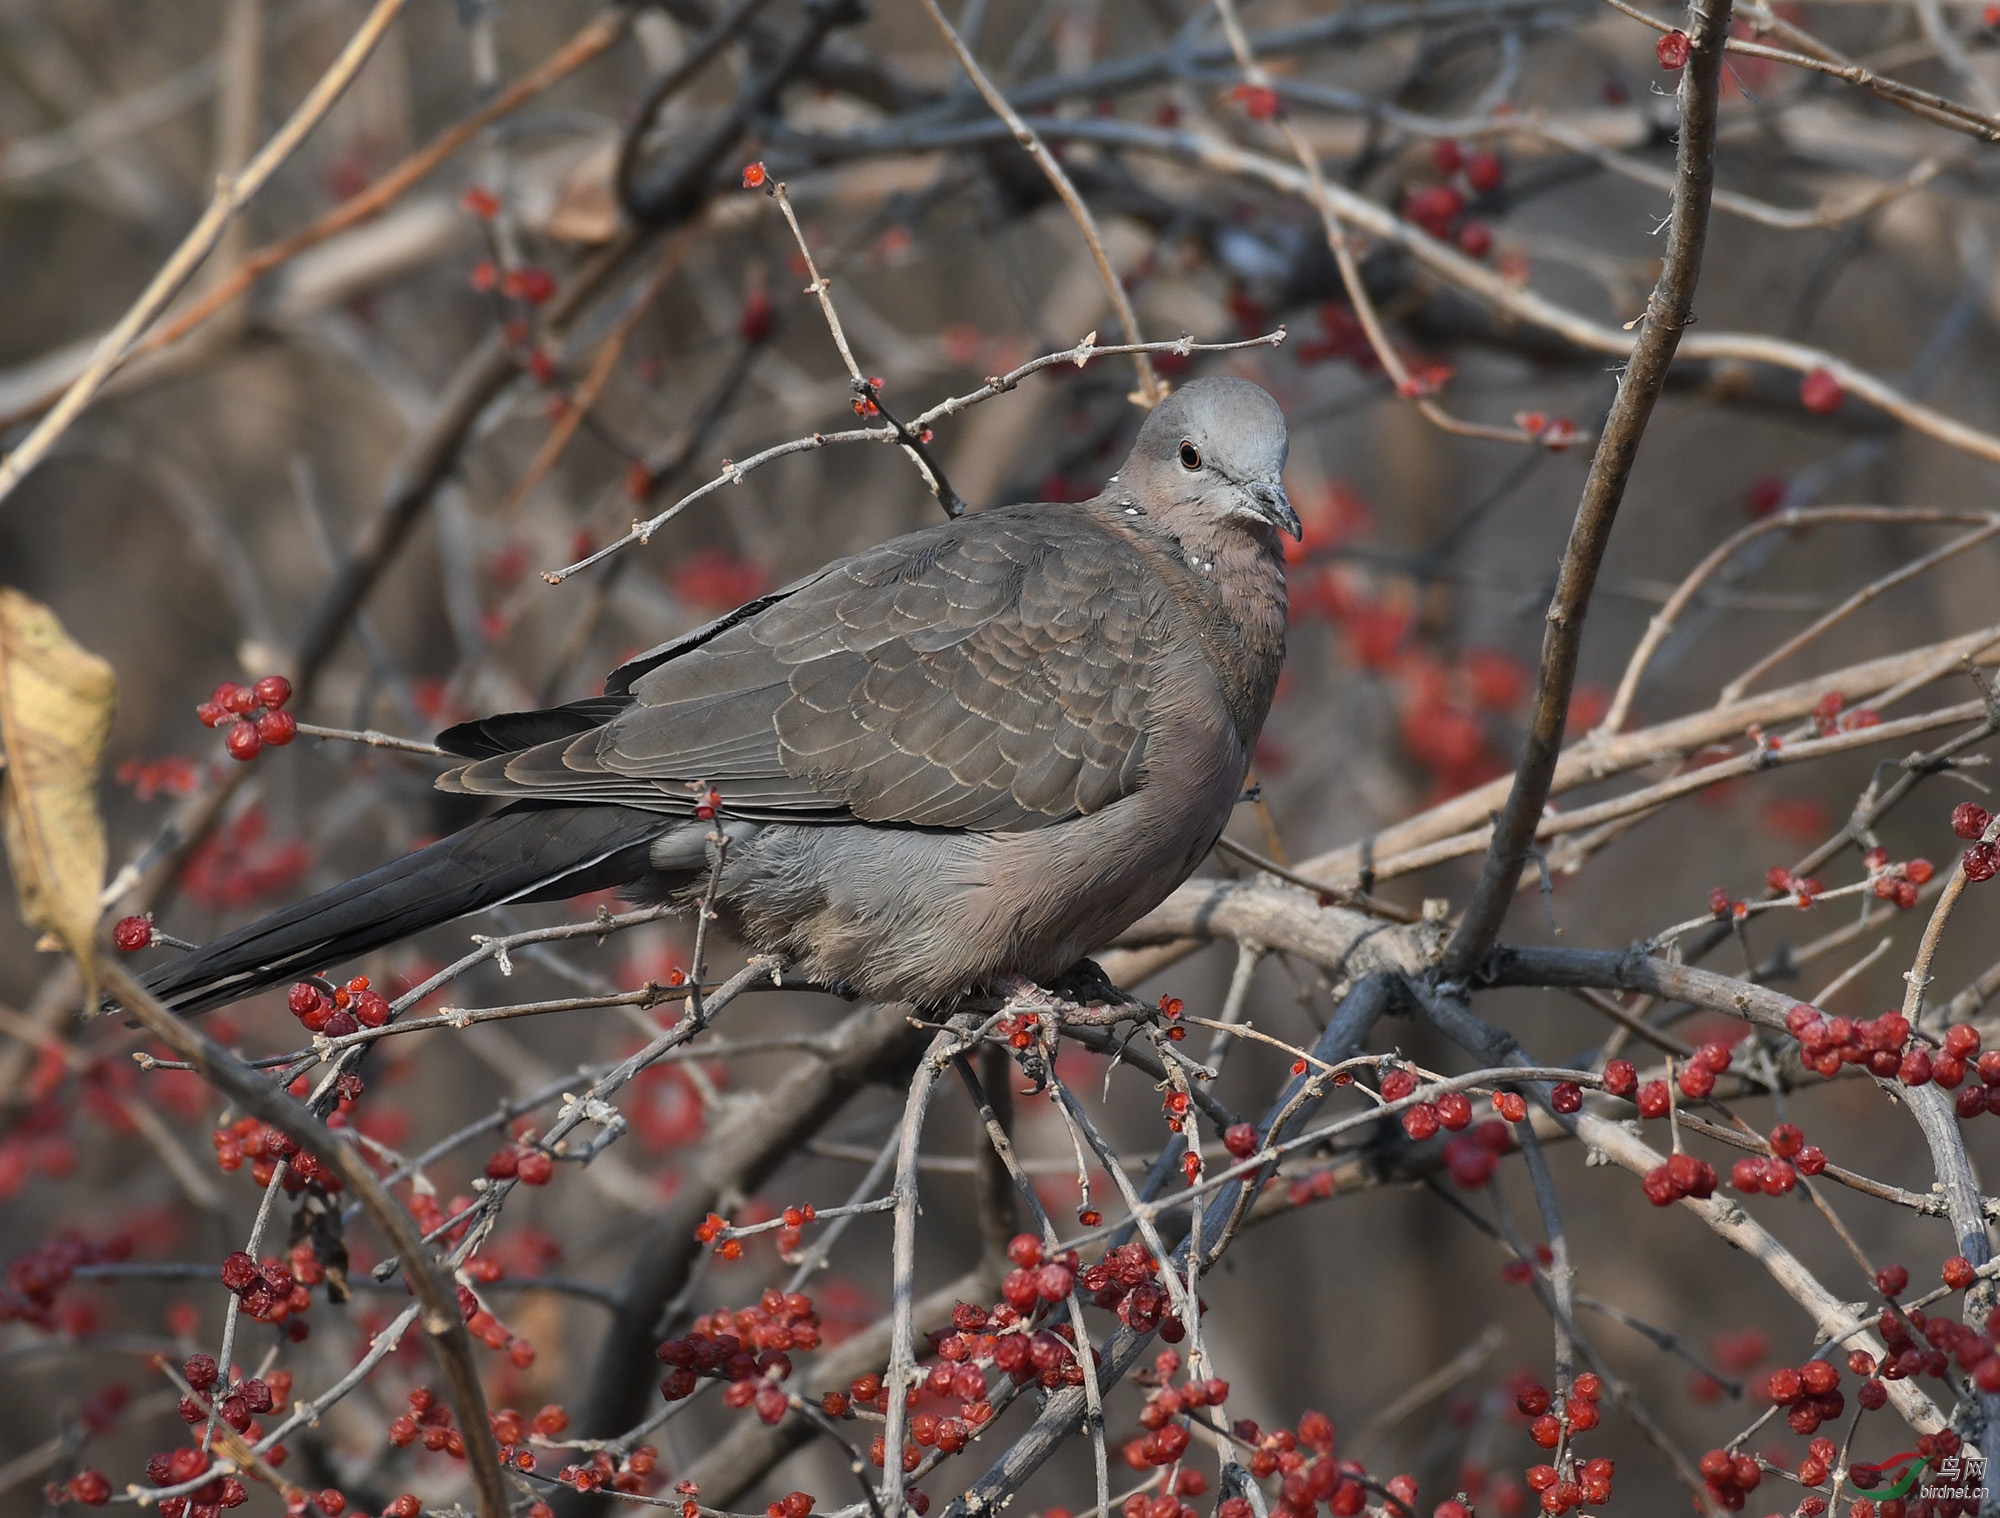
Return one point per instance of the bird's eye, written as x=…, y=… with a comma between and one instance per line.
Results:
x=1190, y=456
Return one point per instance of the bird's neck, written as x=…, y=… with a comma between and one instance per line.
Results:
x=1233, y=580
x=1243, y=576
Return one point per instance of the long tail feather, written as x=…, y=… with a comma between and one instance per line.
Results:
x=526, y=851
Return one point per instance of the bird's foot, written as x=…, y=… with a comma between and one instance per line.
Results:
x=1025, y=995
x=1079, y=994
x=1086, y=984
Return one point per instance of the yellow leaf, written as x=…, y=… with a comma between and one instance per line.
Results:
x=56, y=699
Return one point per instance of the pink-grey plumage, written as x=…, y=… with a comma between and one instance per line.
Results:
x=965, y=756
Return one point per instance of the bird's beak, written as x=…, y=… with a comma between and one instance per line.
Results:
x=1277, y=506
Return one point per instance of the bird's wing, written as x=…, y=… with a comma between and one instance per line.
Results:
x=996, y=674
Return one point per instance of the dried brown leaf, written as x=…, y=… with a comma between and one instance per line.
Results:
x=56, y=700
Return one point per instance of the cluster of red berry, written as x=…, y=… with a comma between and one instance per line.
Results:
x=524, y=1163
x=1573, y=1482
x=1829, y=718
x=1555, y=433
x=1035, y=1280
x=1970, y=820
x=348, y=1009
x=252, y=1139
x=171, y=1468
x=240, y=1404
x=635, y=1473
x=1914, y=1344
x=748, y=1347
x=1451, y=1111
x=1885, y=1046
x=30, y=1284
x=1474, y=1156
x=1340, y=1484
x=267, y=1289
x=1438, y=208
x=1021, y=1031
x=712, y=1228
x=431, y=1421
x=1896, y=882
x=793, y=1233
x=511, y=1432
x=253, y=714
x=1776, y=1173
x=1810, y=1393
x=1124, y=1280
x=490, y=1331
x=1166, y=1437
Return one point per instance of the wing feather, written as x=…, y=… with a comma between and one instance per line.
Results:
x=995, y=674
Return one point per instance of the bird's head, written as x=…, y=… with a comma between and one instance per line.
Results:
x=1212, y=455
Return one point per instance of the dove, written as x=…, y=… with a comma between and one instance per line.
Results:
x=952, y=763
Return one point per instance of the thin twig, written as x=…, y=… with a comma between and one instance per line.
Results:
x=1668, y=311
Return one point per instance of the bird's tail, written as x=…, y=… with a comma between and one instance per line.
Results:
x=527, y=852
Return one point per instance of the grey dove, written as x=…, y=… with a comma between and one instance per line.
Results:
x=954, y=762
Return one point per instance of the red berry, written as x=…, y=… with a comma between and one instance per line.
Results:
x=1240, y=1139
x=1511, y=1105
x=211, y=715
x=1672, y=50
x=1475, y=239
x=1654, y=1099
x=132, y=933
x=529, y=285
x=243, y=741
x=535, y=1168
x=277, y=728
x=1454, y=1110
x=1025, y=1250
x=1421, y=1121
x=1958, y=1272
x=1892, y=1280
x=89, y=1487
x=1787, y=1140
x=1961, y=1041
x=753, y=324
x=1696, y=1081
x=1621, y=1078
x=1981, y=862
x=1484, y=172
x=1820, y=392
x=272, y=691
x=1715, y=1056
x=239, y=700
x=1811, y=1160
x=1566, y=1097
x=1446, y=155
x=1397, y=1084
x=1259, y=101
x=1969, y=819
x=754, y=174
x=1915, y=1069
